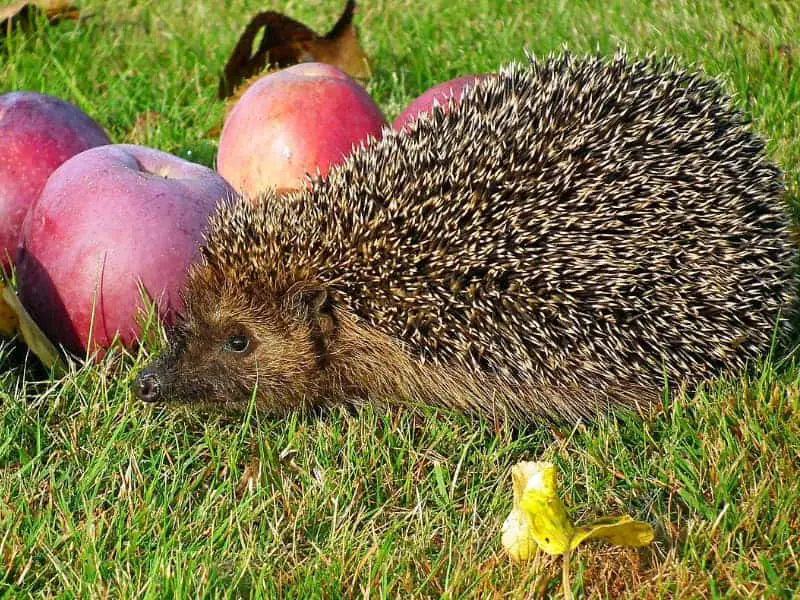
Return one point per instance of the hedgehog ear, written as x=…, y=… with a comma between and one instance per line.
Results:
x=312, y=304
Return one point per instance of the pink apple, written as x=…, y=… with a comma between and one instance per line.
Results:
x=107, y=219
x=441, y=93
x=294, y=122
x=37, y=134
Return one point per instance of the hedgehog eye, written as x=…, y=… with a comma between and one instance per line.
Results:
x=238, y=343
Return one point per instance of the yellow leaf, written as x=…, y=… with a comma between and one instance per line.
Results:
x=516, y=536
x=536, y=487
x=539, y=518
x=8, y=319
x=36, y=340
x=622, y=531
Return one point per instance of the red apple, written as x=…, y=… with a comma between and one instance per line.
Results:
x=441, y=94
x=107, y=219
x=38, y=133
x=294, y=122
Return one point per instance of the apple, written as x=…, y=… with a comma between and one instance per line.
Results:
x=442, y=94
x=108, y=219
x=297, y=121
x=38, y=133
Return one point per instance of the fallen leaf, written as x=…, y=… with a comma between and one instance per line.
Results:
x=248, y=483
x=539, y=520
x=516, y=537
x=8, y=318
x=621, y=531
x=541, y=511
x=287, y=42
x=23, y=13
x=36, y=340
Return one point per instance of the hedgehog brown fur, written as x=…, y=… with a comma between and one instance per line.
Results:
x=570, y=237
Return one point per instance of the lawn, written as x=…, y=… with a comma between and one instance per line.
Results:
x=101, y=496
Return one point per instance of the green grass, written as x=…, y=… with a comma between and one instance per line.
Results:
x=103, y=497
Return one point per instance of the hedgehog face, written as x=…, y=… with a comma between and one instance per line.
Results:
x=228, y=347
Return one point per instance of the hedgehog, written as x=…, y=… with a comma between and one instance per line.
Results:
x=577, y=235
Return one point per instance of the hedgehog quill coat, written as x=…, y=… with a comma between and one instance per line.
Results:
x=573, y=235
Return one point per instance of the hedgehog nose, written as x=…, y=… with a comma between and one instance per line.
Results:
x=148, y=387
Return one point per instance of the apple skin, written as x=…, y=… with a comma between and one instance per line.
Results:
x=441, y=93
x=108, y=218
x=38, y=134
x=291, y=123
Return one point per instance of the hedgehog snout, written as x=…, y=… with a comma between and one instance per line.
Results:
x=148, y=386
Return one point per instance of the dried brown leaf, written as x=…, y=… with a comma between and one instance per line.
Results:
x=287, y=42
x=23, y=13
x=249, y=482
